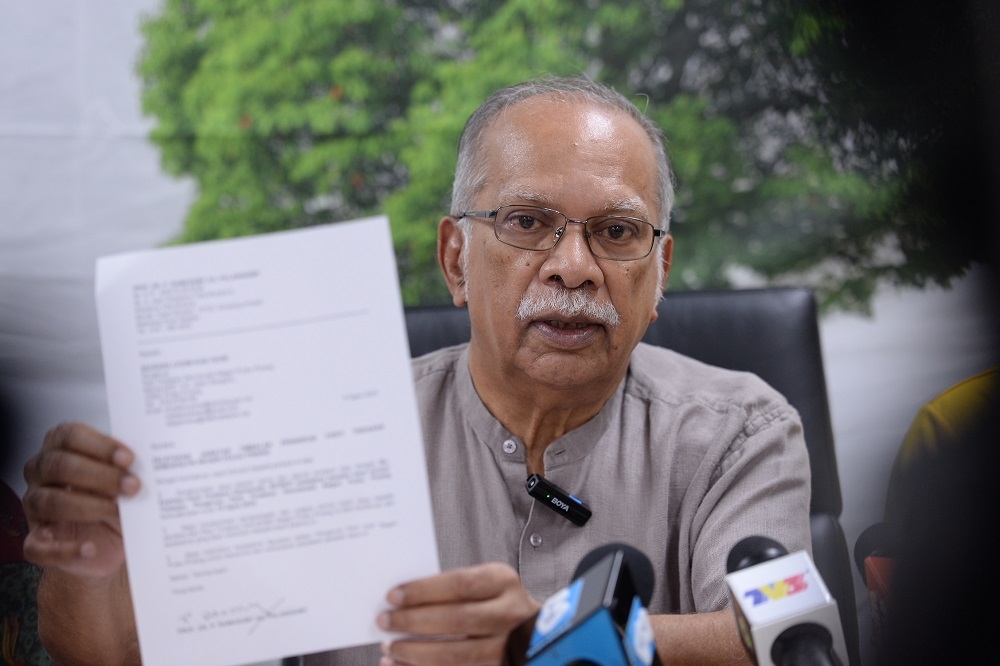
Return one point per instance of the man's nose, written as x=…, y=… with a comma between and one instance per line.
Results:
x=583, y=236
x=572, y=259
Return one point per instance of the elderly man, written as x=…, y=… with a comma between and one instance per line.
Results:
x=557, y=244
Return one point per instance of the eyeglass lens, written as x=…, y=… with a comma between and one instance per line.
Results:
x=533, y=228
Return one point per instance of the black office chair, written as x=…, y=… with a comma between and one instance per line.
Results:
x=773, y=333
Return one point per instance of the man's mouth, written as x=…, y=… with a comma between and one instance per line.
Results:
x=567, y=310
x=568, y=325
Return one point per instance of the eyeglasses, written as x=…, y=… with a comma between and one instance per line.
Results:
x=539, y=229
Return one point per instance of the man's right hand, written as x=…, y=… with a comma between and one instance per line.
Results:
x=84, y=604
x=71, y=502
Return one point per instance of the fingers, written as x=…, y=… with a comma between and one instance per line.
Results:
x=465, y=652
x=83, y=550
x=82, y=440
x=462, y=616
x=479, y=618
x=73, y=486
x=42, y=548
x=71, y=502
x=473, y=583
x=76, y=457
x=469, y=601
x=50, y=504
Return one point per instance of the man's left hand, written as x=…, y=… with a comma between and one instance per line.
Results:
x=462, y=616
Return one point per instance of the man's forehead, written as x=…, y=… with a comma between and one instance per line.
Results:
x=569, y=119
x=591, y=121
x=520, y=193
x=526, y=144
x=597, y=117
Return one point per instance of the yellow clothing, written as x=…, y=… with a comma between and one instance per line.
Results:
x=946, y=421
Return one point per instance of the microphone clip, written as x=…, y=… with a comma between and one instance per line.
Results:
x=557, y=499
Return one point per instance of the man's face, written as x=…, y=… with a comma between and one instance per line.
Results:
x=583, y=161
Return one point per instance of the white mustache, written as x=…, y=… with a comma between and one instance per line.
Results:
x=568, y=303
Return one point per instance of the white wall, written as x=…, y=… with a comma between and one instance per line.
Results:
x=879, y=372
x=79, y=180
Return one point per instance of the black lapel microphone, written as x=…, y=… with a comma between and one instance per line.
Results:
x=557, y=499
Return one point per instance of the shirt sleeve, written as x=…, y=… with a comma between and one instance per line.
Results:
x=759, y=486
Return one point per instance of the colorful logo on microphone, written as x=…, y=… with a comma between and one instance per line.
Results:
x=555, y=616
x=778, y=590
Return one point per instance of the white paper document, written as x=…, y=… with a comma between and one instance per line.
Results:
x=265, y=386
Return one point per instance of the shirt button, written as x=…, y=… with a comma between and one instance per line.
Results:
x=535, y=539
x=509, y=446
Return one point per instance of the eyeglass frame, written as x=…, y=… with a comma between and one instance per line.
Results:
x=560, y=231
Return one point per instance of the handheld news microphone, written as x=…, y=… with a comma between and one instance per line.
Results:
x=877, y=540
x=600, y=618
x=784, y=611
x=875, y=554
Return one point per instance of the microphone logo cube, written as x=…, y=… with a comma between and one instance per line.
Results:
x=598, y=619
x=777, y=588
x=780, y=589
x=640, y=644
x=773, y=595
x=556, y=613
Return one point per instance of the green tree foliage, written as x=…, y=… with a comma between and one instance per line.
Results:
x=911, y=88
x=296, y=112
x=281, y=111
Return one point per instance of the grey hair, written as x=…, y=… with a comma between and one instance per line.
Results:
x=470, y=171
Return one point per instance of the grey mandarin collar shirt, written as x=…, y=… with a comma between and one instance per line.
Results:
x=683, y=461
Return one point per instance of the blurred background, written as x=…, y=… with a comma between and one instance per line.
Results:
x=835, y=144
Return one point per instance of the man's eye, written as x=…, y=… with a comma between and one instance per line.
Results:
x=617, y=230
x=525, y=222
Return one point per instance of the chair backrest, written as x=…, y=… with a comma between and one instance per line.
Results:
x=772, y=332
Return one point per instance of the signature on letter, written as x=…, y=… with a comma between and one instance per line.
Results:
x=251, y=615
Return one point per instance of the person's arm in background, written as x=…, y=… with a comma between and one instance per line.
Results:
x=84, y=604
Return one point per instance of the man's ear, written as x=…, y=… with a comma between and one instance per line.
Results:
x=667, y=258
x=449, y=252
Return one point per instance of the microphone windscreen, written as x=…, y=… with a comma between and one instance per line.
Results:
x=753, y=550
x=878, y=539
x=639, y=567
